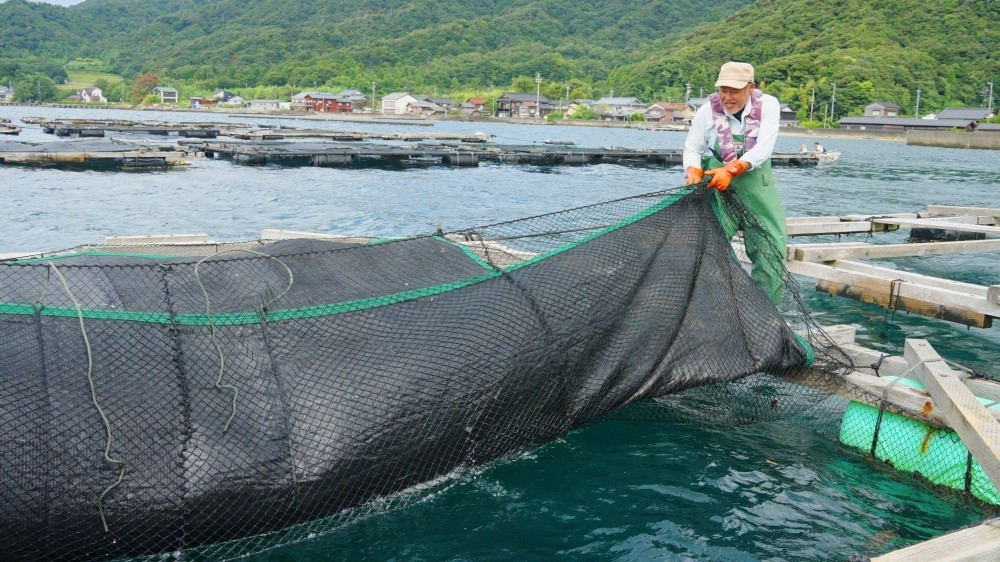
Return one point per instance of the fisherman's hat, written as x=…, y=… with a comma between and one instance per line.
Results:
x=735, y=75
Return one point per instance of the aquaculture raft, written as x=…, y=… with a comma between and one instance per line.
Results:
x=454, y=154
x=838, y=269
x=91, y=154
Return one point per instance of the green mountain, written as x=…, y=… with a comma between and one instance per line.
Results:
x=447, y=44
x=871, y=49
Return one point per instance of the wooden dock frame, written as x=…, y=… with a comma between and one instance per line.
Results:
x=836, y=272
x=947, y=402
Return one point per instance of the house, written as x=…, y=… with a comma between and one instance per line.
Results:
x=327, y=103
x=91, y=94
x=470, y=109
x=397, y=103
x=993, y=128
x=617, y=108
x=975, y=113
x=264, y=104
x=444, y=103
x=664, y=112
x=357, y=100
x=299, y=102
x=882, y=109
x=197, y=101
x=788, y=117
x=234, y=100
x=477, y=104
x=167, y=95
x=6, y=94
x=523, y=106
x=423, y=108
x=222, y=96
x=905, y=124
x=348, y=101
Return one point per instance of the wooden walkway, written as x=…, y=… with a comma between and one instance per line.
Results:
x=459, y=154
x=838, y=271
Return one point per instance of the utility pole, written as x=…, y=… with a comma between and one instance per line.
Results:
x=916, y=110
x=989, y=100
x=373, y=97
x=687, y=92
x=538, y=95
x=812, y=103
x=833, y=102
x=567, y=97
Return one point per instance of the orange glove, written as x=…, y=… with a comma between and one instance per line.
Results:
x=693, y=175
x=721, y=177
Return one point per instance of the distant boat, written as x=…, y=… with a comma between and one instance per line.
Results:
x=827, y=156
x=559, y=142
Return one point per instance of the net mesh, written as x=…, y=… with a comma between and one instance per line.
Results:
x=217, y=400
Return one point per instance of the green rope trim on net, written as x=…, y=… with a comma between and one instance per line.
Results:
x=256, y=316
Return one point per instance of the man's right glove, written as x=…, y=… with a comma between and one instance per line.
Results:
x=723, y=176
x=693, y=175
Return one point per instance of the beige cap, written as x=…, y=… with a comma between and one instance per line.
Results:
x=735, y=75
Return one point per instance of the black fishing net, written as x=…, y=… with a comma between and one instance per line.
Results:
x=216, y=400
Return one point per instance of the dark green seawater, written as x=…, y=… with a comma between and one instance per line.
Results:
x=614, y=490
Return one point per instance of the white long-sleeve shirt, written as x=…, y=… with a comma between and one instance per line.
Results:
x=703, y=135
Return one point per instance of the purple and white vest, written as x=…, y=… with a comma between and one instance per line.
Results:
x=727, y=145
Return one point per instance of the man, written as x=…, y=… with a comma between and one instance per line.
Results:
x=731, y=140
x=818, y=148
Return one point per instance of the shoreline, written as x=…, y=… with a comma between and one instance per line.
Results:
x=378, y=118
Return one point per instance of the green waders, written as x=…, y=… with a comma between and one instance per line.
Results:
x=766, y=247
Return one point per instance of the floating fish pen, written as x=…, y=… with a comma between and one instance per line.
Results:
x=174, y=394
x=99, y=127
x=8, y=128
x=450, y=154
x=282, y=133
x=92, y=154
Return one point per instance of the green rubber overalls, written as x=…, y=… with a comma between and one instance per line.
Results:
x=767, y=247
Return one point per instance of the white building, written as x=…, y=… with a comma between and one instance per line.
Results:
x=397, y=103
x=89, y=95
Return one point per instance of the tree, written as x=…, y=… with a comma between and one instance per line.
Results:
x=144, y=85
x=35, y=88
x=583, y=112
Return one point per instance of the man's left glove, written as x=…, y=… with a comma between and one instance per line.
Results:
x=721, y=177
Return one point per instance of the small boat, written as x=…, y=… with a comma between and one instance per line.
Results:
x=827, y=156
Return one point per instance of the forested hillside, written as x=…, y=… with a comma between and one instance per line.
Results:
x=871, y=50
x=874, y=49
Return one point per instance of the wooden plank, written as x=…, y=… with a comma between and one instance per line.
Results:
x=921, y=299
x=938, y=224
x=971, y=289
x=953, y=210
x=837, y=227
x=829, y=252
x=147, y=239
x=975, y=544
x=279, y=234
x=812, y=220
x=993, y=294
x=863, y=217
x=979, y=430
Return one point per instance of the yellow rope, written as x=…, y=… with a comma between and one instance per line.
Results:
x=211, y=322
x=93, y=397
